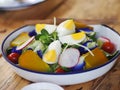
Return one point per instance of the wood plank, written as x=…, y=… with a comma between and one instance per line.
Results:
x=39, y=11
x=88, y=9
x=82, y=9
x=111, y=80
x=16, y=80
x=85, y=86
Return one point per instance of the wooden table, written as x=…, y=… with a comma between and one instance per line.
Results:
x=102, y=11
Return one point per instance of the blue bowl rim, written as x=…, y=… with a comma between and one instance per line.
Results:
x=20, y=6
x=67, y=73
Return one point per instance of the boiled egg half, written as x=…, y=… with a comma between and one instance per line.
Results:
x=73, y=38
x=50, y=28
x=52, y=53
x=65, y=28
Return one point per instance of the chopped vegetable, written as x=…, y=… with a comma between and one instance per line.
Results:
x=39, y=52
x=108, y=47
x=20, y=39
x=68, y=47
x=32, y=33
x=13, y=57
x=13, y=50
x=103, y=39
x=25, y=44
x=98, y=59
x=82, y=25
x=86, y=29
x=80, y=65
x=59, y=70
x=35, y=63
x=89, y=44
x=69, y=58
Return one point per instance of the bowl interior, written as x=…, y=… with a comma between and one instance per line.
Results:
x=101, y=30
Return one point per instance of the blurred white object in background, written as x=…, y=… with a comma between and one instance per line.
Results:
x=17, y=4
x=8, y=2
x=42, y=86
x=32, y=1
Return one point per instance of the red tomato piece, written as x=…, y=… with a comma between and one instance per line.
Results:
x=59, y=70
x=13, y=57
x=108, y=47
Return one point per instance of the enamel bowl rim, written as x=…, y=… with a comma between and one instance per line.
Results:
x=67, y=73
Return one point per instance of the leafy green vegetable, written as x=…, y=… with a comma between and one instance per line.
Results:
x=54, y=36
x=91, y=44
x=110, y=56
x=100, y=43
x=45, y=32
x=92, y=36
x=8, y=50
x=44, y=48
x=66, y=69
x=54, y=67
x=64, y=45
x=37, y=37
x=46, y=38
x=75, y=46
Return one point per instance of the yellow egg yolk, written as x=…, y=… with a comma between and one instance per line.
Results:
x=69, y=25
x=50, y=56
x=39, y=27
x=78, y=36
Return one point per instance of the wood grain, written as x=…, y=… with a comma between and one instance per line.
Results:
x=43, y=10
x=88, y=11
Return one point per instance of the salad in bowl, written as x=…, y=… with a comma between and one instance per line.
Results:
x=69, y=48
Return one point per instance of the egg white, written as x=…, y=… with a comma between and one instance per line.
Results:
x=50, y=28
x=70, y=40
x=56, y=45
x=62, y=30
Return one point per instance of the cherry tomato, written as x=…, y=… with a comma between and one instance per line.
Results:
x=13, y=57
x=59, y=70
x=108, y=47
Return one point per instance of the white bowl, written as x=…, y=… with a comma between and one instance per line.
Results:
x=42, y=86
x=66, y=78
x=17, y=5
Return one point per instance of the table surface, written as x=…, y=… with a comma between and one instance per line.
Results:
x=89, y=11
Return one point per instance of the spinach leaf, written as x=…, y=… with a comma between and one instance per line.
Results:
x=110, y=56
x=92, y=36
x=54, y=36
x=54, y=67
x=37, y=37
x=44, y=32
